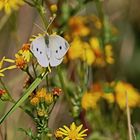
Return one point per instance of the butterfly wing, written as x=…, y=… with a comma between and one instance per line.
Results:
x=58, y=48
x=40, y=51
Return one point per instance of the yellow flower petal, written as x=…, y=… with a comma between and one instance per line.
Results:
x=73, y=127
x=1, y=74
x=79, y=128
x=66, y=138
x=9, y=60
x=1, y=5
x=1, y=62
x=7, y=8
x=63, y=130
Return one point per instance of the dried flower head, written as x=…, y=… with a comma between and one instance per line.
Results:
x=57, y=91
x=4, y=96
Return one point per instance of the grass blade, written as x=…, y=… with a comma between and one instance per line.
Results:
x=24, y=97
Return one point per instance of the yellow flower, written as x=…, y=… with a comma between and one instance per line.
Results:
x=41, y=112
x=20, y=61
x=48, y=98
x=88, y=55
x=25, y=52
x=77, y=26
x=34, y=101
x=41, y=94
x=109, y=54
x=133, y=96
x=76, y=50
x=96, y=22
x=82, y=50
x=53, y=8
x=73, y=133
x=89, y=100
x=9, y=5
x=7, y=68
x=95, y=45
x=109, y=97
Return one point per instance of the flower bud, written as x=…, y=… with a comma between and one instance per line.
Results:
x=53, y=8
x=4, y=96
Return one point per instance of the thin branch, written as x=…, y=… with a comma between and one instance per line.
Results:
x=29, y=3
x=34, y=69
x=128, y=119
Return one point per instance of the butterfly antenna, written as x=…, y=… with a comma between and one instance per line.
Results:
x=51, y=21
x=40, y=28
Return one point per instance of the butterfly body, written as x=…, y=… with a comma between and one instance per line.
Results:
x=49, y=52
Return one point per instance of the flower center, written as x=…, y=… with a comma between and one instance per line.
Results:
x=73, y=135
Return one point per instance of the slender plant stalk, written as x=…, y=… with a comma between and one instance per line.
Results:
x=27, y=71
x=128, y=119
x=3, y=20
x=29, y=3
x=34, y=70
x=61, y=79
x=42, y=14
x=99, y=7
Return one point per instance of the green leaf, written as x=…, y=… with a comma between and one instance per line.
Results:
x=27, y=132
x=24, y=97
x=108, y=89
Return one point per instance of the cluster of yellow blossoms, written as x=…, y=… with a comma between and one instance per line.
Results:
x=42, y=99
x=21, y=59
x=118, y=95
x=72, y=133
x=42, y=96
x=88, y=50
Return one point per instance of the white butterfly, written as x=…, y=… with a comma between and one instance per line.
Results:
x=49, y=52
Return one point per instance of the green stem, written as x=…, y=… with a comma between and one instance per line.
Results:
x=62, y=81
x=42, y=14
x=34, y=70
x=47, y=83
x=27, y=71
x=99, y=6
x=3, y=21
x=29, y=3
